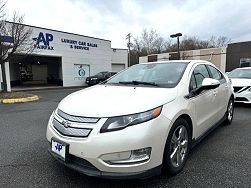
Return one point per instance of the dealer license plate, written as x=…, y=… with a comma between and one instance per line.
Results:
x=58, y=148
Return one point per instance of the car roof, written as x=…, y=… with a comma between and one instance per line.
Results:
x=178, y=61
x=243, y=68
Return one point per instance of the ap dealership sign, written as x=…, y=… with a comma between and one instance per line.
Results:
x=43, y=41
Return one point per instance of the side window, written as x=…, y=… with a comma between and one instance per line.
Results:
x=193, y=84
x=200, y=72
x=215, y=73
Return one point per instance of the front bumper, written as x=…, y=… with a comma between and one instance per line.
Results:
x=91, y=149
x=87, y=168
x=243, y=97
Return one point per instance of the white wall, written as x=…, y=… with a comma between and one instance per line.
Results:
x=7, y=70
x=7, y=76
x=120, y=56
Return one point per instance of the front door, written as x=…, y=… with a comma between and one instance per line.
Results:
x=205, y=103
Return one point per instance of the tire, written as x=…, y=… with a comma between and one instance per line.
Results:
x=230, y=112
x=176, y=141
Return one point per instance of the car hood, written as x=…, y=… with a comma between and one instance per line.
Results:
x=108, y=100
x=240, y=82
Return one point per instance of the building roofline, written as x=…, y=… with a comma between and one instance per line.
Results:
x=61, y=31
x=186, y=51
x=240, y=42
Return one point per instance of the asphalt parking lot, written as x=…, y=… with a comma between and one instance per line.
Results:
x=222, y=159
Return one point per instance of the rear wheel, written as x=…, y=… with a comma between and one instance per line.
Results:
x=230, y=112
x=177, y=147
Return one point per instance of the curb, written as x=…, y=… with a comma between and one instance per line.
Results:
x=19, y=100
x=52, y=88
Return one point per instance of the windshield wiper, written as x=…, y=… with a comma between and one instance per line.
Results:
x=134, y=82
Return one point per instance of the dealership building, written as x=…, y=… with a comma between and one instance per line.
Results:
x=63, y=59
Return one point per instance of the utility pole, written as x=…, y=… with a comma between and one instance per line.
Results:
x=129, y=44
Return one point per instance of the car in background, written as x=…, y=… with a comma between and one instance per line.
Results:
x=142, y=121
x=100, y=77
x=241, y=81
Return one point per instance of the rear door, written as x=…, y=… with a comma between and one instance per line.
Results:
x=222, y=91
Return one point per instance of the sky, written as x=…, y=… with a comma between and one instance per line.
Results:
x=114, y=19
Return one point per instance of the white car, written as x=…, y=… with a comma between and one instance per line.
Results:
x=241, y=81
x=141, y=121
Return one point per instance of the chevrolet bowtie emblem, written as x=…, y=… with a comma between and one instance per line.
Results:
x=66, y=124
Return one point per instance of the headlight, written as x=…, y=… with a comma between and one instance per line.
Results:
x=94, y=78
x=121, y=122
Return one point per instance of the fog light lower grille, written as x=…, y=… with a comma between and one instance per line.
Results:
x=137, y=156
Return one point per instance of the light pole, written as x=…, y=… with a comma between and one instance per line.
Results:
x=178, y=41
x=129, y=44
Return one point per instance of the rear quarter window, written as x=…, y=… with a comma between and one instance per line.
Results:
x=216, y=74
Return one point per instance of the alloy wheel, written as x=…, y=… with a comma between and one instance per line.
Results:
x=179, y=146
x=230, y=111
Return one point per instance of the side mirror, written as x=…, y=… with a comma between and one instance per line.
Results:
x=210, y=83
x=207, y=83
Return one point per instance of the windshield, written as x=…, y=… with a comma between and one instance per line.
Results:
x=157, y=74
x=240, y=73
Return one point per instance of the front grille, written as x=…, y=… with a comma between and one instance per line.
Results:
x=241, y=99
x=236, y=89
x=70, y=131
x=78, y=119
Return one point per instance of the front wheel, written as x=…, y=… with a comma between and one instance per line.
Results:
x=230, y=112
x=177, y=147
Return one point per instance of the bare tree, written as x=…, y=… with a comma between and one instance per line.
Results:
x=136, y=50
x=159, y=44
x=148, y=39
x=220, y=41
x=151, y=42
x=20, y=35
x=193, y=43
